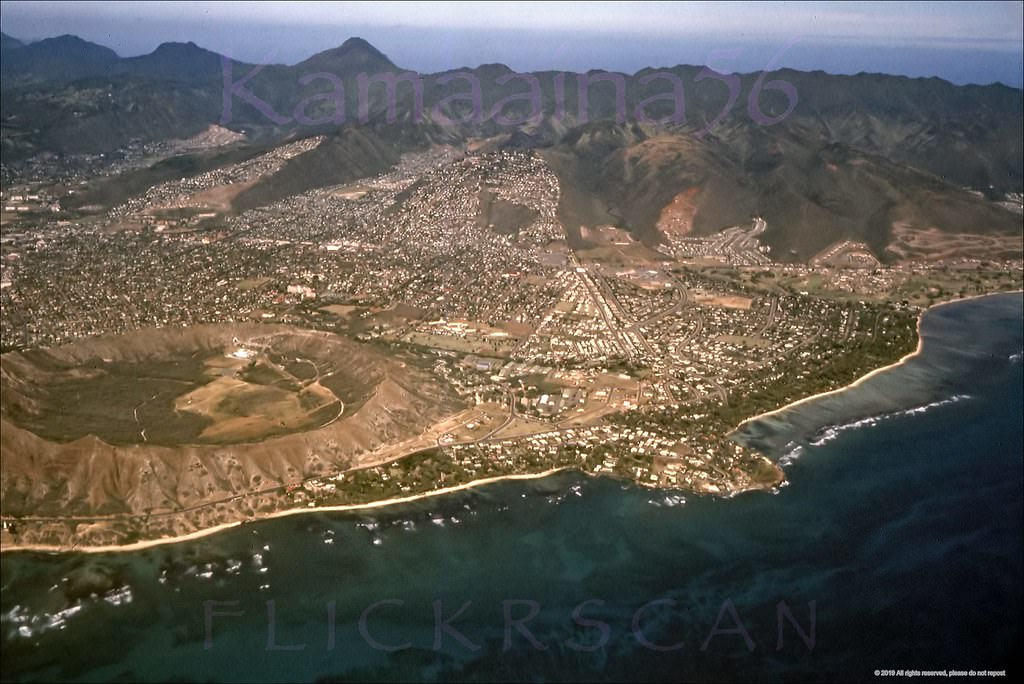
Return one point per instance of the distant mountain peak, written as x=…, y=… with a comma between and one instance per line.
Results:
x=70, y=40
x=174, y=45
x=72, y=47
x=178, y=61
x=353, y=53
x=63, y=38
x=67, y=56
x=357, y=44
x=175, y=49
x=9, y=43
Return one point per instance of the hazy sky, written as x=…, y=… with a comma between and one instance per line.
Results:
x=962, y=42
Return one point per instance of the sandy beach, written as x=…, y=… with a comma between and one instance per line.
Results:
x=855, y=383
x=198, y=534
x=868, y=376
x=138, y=546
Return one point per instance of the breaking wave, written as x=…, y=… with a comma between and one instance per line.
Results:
x=792, y=453
x=26, y=624
x=831, y=432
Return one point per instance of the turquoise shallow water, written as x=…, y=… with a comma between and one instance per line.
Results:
x=901, y=524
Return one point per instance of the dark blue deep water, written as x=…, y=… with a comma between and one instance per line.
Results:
x=900, y=532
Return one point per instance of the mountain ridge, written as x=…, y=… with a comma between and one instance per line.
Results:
x=833, y=156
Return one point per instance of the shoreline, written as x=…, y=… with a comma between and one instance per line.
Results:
x=864, y=378
x=198, y=534
x=867, y=376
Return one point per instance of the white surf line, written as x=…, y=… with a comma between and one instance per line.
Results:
x=877, y=371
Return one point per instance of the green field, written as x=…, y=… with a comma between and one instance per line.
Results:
x=202, y=397
x=104, y=399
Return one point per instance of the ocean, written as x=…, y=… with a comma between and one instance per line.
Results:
x=895, y=546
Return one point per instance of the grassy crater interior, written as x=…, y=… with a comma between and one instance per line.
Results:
x=183, y=389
